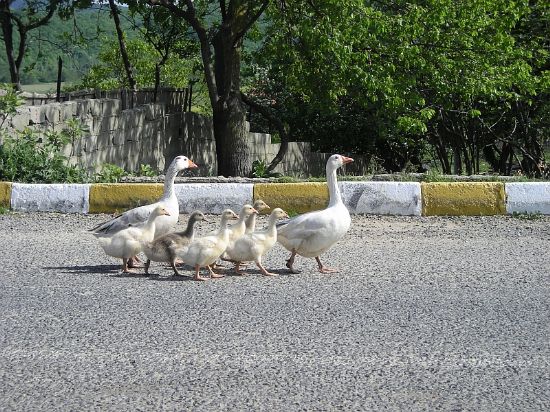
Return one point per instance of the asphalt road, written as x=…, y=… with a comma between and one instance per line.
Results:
x=426, y=314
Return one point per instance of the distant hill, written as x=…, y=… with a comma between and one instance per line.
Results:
x=53, y=40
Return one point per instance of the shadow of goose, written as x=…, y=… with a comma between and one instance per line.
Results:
x=83, y=270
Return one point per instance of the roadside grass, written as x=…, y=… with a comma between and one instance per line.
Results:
x=4, y=210
x=527, y=215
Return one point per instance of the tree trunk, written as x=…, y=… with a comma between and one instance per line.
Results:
x=7, y=33
x=232, y=142
x=123, y=52
x=229, y=112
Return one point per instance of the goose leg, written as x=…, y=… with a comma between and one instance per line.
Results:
x=290, y=262
x=133, y=262
x=125, y=266
x=324, y=269
x=147, y=264
x=237, y=270
x=264, y=271
x=197, y=274
x=214, y=275
x=173, y=264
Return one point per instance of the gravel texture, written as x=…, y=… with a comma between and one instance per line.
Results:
x=427, y=314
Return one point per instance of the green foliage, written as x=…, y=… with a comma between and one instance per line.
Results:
x=28, y=158
x=110, y=173
x=9, y=102
x=77, y=43
x=259, y=168
x=109, y=72
x=527, y=215
x=4, y=210
x=146, y=171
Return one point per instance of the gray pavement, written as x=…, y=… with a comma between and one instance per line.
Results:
x=426, y=314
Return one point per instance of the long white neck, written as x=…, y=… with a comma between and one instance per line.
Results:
x=333, y=190
x=169, y=182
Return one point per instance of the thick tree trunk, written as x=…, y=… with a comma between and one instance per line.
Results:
x=232, y=142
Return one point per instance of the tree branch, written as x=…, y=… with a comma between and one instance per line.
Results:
x=250, y=22
x=264, y=111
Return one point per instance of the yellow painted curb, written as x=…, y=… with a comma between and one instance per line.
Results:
x=293, y=197
x=5, y=194
x=118, y=197
x=463, y=199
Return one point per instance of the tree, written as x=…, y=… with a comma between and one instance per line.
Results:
x=220, y=35
x=423, y=70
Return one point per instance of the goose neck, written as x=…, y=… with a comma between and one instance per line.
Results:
x=334, y=192
x=169, y=182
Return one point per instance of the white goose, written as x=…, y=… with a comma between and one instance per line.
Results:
x=128, y=242
x=260, y=206
x=252, y=246
x=139, y=215
x=238, y=229
x=313, y=233
x=206, y=250
x=165, y=247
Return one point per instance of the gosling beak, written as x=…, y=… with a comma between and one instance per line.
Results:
x=192, y=165
x=254, y=211
x=165, y=213
x=285, y=215
x=234, y=216
x=347, y=160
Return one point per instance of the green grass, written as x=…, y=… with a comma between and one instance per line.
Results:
x=42, y=87
x=527, y=215
x=4, y=210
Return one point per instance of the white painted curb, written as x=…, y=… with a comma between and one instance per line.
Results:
x=528, y=197
x=382, y=198
x=213, y=197
x=64, y=198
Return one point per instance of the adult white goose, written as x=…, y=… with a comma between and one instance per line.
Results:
x=165, y=247
x=312, y=234
x=252, y=246
x=128, y=242
x=139, y=215
x=205, y=250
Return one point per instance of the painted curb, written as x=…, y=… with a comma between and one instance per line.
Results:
x=382, y=198
x=5, y=194
x=391, y=198
x=213, y=197
x=116, y=197
x=293, y=197
x=64, y=198
x=463, y=199
x=528, y=197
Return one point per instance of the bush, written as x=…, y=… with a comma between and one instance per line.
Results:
x=28, y=158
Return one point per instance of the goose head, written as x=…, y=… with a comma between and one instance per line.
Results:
x=227, y=215
x=260, y=205
x=159, y=211
x=247, y=210
x=279, y=213
x=336, y=160
x=197, y=216
x=183, y=162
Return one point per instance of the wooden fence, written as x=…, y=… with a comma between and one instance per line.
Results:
x=175, y=99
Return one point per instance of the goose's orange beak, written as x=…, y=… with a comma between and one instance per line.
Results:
x=347, y=160
x=192, y=165
x=254, y=211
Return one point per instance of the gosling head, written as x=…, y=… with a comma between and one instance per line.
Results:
x=260, y=205
x=279, y=213
x=160, y=211
x=248, y=210
x=228, y=214
x=197, y=216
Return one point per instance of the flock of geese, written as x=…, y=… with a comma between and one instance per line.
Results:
x=148, y=229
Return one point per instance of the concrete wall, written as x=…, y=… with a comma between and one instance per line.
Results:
x=150, y=134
